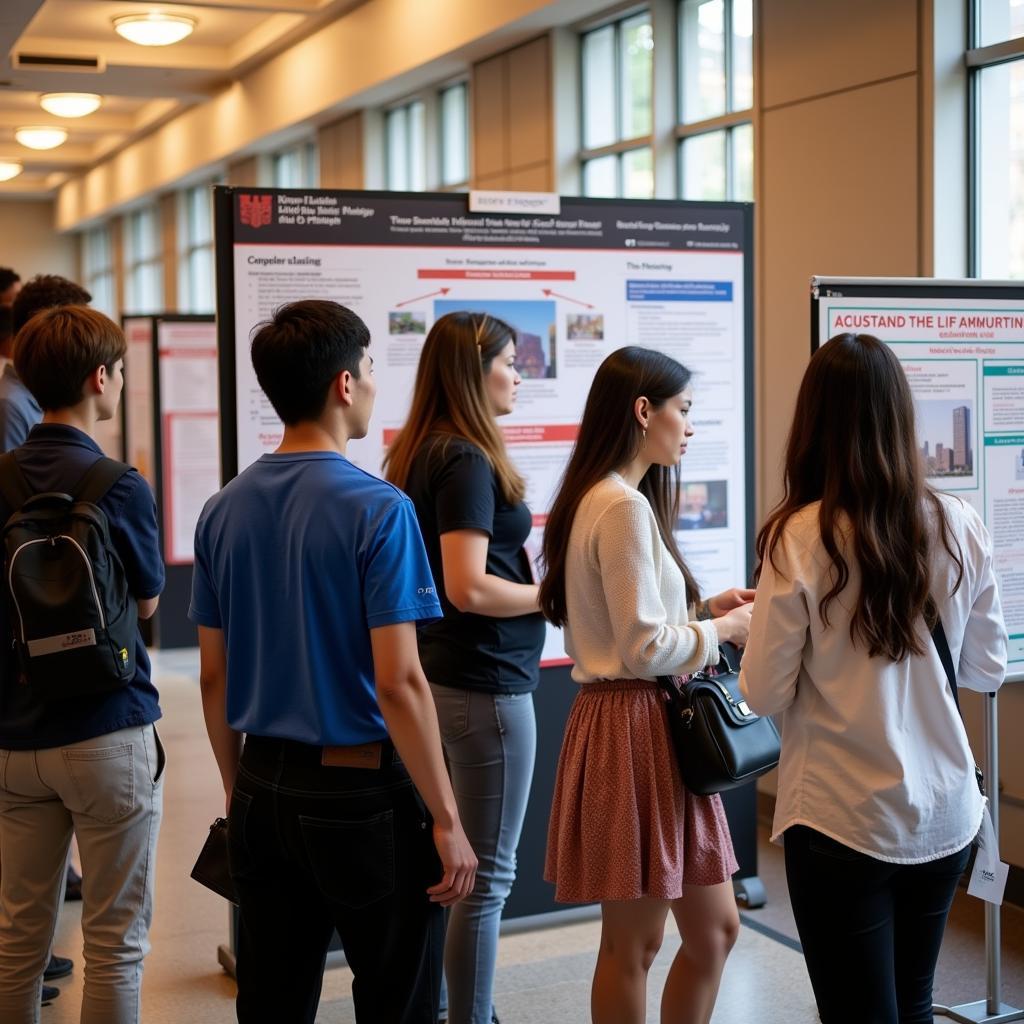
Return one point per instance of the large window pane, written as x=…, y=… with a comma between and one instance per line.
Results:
x=1001, y=20
x=599, y=128
x=398, y=149
x=703, y=166
x=742, y=54
x=417, y=147
x=1001, y=171
x=702, y=59
x=637, y=62
x=638, y=174
x=601, y=177
x=454, y=135
x=742, y=185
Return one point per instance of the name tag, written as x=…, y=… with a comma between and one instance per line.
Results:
x=988, y=879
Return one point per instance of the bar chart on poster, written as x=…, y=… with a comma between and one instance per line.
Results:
x=574, y=285
x=961, y=344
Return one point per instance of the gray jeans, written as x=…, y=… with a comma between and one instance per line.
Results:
x=490, y=741
x=109, y=792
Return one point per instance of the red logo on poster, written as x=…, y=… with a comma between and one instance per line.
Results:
x=255, y=210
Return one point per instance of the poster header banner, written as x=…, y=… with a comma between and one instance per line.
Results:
x=290, y=217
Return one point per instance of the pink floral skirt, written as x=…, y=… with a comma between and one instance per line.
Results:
x=622, y=824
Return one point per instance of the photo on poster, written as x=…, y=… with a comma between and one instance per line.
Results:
x=703, y=505
x=407, y=322
x=946, y=437
x=584, y=326
x=534, y=323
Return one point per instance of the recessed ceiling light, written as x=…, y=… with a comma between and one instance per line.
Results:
x=9, y=169
x=70, y=104
x=154, y=29
x=41, y=138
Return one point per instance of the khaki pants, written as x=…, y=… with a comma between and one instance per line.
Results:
x=108, y=791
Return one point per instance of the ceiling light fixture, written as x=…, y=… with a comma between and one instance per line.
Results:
x=9, y=169
x=154, y=29
x=70, y=104
x=38, y=137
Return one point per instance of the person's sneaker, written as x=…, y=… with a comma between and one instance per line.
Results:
x=58, y=967
x=72, y=885
x=49, y=994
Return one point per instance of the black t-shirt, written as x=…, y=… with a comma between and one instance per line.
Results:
x=453, y=487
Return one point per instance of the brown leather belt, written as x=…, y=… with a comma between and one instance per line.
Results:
x=363, y=755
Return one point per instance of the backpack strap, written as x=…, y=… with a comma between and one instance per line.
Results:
x=98, y=480
x=946, y=657
x=14, y=488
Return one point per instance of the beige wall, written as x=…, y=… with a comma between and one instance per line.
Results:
x=341, y=149
x=31, y=245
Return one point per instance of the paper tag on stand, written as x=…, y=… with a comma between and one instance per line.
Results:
x=988, y=879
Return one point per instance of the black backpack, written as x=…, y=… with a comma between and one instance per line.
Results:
x=72, y=616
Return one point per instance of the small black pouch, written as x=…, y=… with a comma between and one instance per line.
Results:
x=211, y=867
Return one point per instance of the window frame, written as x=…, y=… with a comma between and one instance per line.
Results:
x=101, y=276
x=621, y=146
x=188, y=248
x=308, y=154
x=977, y=59
x=727, y=122
x=135, y=263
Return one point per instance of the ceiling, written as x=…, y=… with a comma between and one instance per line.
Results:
x=142, y=86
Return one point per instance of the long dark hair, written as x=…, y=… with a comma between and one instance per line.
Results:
x=609, y=437
x=853, y=447
x=450, y=398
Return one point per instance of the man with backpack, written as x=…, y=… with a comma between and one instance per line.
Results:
x=310, y=576
x=78, y=749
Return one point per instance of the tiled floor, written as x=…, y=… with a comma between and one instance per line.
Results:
x=543, y=975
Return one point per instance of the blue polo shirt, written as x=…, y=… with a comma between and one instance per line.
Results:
x=19, y=410
x=296, y=560
x=55, y=458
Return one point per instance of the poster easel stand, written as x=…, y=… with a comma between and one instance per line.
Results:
x=990, y=1010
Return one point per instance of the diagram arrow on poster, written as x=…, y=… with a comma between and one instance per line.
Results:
x=420, y=298
x=559, y=295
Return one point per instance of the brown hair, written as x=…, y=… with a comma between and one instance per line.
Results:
x=450, y=399
x=853, y=448
x=57, y=350
x=609, y=437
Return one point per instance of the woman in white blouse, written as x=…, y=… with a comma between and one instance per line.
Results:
x=623, y=829
x=877, y=800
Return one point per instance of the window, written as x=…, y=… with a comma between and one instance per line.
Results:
x=143, y=263
x=405, y=141
x=454, y=103
x=996, y=63
x=98, y=270
x=716, y=94
x=196, y=278
x=296, y=167
x=617, y=65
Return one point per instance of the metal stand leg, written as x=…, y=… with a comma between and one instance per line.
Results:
x=991, y=1010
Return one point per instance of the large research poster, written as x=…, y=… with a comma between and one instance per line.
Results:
x=961, y=344
x=575, y=285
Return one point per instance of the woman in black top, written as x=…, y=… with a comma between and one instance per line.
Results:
x=483, y=657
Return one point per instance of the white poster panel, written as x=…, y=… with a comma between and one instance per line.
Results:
x=190, y=428
x=964, y=358
x=575, y=287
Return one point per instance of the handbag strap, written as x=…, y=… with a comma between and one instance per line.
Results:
x=946, y=657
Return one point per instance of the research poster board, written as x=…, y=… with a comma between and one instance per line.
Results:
x=575, y=284
x=137, y=401
x=961, y=344
x=189, y=429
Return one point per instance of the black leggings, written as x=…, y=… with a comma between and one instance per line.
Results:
x=871, y=931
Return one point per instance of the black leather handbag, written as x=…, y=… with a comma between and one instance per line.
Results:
x=719, y=742
x=211, y=867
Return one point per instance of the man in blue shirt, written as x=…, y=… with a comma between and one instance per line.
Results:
x=310, y=577
x=19, y=410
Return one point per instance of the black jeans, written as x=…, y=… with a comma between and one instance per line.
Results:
x=871, y=931
x=314, y=849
